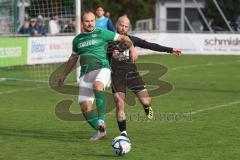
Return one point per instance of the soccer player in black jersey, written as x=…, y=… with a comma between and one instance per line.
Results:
x=125, y=75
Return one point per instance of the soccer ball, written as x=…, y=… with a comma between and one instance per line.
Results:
x=121, y=145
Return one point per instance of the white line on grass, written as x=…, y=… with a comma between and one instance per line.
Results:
x=215, y=107
x=25, y=110
x=202, y=65
x=21, y=90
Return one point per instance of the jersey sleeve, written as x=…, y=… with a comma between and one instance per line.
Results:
x=109, y=35
x=148, y=45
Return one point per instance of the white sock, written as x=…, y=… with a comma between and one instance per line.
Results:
x=124, y=132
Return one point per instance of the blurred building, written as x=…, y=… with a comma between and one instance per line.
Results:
x=175, y=16
x=168, y=15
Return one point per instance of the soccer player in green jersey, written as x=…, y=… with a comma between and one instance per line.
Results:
x=95, y=75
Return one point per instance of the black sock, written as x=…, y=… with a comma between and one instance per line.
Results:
x=122, y=125
x=146, y=106
x=146, y=109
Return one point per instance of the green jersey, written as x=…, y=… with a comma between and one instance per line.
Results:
x=92, y=48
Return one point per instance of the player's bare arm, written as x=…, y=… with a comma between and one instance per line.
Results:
x=69, y=66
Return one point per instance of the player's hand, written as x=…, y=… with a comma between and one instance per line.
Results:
x=177, y=52
x=134, y=54
x=61, y=80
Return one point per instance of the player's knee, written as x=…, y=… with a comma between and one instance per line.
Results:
x=86, y=106
x=97, y=85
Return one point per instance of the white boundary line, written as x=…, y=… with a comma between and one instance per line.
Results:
x=215, y=107
x=202, y=65
x=25, y=110
x=22, y=80
x=22, y=90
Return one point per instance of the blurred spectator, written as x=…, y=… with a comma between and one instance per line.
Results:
x=20, y=22
x=70, y=28
x=107, y=14
x=40, y=26
x=25, y=29
x=33, y=26
x=236, y=24
x=54, y=26
x=102, y=21
x=26, y=17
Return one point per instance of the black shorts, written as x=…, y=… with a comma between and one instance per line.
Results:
x=127, y=79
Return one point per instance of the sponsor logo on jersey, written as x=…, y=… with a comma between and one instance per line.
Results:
x=87, y=43
x=94, y=35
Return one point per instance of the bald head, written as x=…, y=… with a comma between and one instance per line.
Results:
x=124, y=19
x=88, y=21
x=123, y=24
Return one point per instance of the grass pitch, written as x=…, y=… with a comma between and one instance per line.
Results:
x=198, y=120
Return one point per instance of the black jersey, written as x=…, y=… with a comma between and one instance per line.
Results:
x=124, y=73
x=122, y=60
